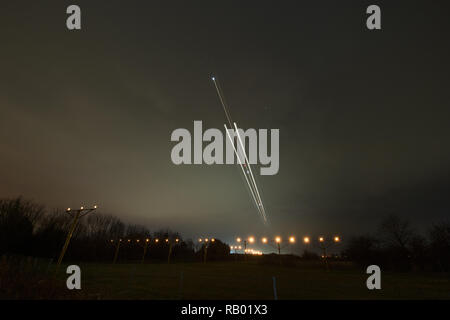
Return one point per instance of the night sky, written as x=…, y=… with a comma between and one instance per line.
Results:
x=86, y=116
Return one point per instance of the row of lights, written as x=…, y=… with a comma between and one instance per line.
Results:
x=254, y=252
x=206, y=240
x=146, y=240
x=82, y=208
x=266, y=240
x=291, y=239
x=321, y=239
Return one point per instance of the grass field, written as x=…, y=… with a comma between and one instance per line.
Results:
x=249, y=280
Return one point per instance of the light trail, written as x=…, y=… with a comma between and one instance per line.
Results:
x=222, y=102
x=247, y=171
x=260, y=204
x=243, y=170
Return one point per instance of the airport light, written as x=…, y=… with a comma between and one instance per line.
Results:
x=208, y=242
x=250, y=239
x=277, y=242
x=324, y=244
x=172, y=242
x=76, y=217
x=116, y=252
x=144, y=245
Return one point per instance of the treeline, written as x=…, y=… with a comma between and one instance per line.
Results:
x=29, y=229
x=396, y=246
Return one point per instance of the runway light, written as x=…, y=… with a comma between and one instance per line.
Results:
x=306, y=240
x=337, y=239
x=264, y=240
x=278, y=239
x=292, y=239
x=321, y=239
x=238, y=239
x=251, y=239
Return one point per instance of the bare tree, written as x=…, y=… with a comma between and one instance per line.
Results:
x=396, y=232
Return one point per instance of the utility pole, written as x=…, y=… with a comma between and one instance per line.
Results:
x=79, y=213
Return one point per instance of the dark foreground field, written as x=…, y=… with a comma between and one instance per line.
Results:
x=241, y=280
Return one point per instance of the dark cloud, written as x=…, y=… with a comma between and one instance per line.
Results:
x=363, y=116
